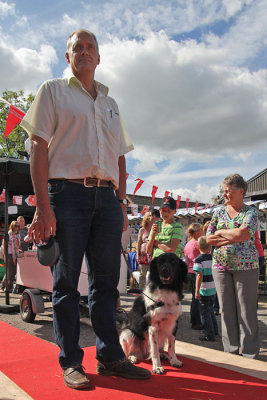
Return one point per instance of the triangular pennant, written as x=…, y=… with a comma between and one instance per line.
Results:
x=153, y=193
x=13, y=119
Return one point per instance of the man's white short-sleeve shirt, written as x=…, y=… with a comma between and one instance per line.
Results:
x=85, y=137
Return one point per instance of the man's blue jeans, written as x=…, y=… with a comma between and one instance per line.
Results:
x=89, y=221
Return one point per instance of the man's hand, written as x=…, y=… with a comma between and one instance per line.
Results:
x=43, y=224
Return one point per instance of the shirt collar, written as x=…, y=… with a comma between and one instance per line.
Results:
x=100, y=88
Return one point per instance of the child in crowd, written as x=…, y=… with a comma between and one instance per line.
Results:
x=205, y=290
x=191, y=251
x=166, y=235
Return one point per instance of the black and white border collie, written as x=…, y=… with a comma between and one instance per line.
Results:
x=153, y=319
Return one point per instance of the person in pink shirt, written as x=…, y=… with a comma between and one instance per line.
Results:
x=191, y=251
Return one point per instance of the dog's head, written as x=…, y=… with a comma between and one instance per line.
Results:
x=168, y=271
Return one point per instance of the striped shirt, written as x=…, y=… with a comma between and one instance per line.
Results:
x=203, y=263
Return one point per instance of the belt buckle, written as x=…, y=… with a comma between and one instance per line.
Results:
x=98, y=184
x=84, y=182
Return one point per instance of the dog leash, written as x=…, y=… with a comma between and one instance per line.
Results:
x=157, y=303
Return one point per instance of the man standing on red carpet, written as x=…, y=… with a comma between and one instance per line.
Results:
x=78, y=171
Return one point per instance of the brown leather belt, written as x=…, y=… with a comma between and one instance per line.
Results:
x=90, y=182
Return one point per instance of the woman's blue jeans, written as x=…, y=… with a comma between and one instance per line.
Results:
x=89, y=221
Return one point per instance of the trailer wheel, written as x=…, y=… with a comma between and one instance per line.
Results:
x=27, y=315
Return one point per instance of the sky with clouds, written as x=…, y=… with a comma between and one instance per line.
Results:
x=189, y=76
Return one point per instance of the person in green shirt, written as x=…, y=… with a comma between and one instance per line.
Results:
x=166, y=235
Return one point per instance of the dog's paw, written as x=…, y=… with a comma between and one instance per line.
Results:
x=158, y=370
x=133, y=359
x=176, y=363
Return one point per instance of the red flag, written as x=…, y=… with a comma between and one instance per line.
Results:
x=3, y=196
x=166, y=193
x=17, y=200
x=178, y=201
x=187, y=204
x=196, y=206
x=139, y=184
x=134, y=208
x=153, y=193
x=145, y=209
x=31, y=200
x=13, y=119
x=127, y=175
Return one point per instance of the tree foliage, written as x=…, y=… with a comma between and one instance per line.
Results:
x=219, y=199
x=14, y=142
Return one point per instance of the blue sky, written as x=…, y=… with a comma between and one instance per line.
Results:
x=189, y=77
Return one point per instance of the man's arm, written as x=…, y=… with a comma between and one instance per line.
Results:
x=121, y=191
x=44, y=220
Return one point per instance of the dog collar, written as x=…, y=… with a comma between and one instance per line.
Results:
x=156, y=305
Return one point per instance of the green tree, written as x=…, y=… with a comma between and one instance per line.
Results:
x=14, y=142
x=219, y=199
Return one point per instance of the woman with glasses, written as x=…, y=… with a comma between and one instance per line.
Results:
x=11, y=259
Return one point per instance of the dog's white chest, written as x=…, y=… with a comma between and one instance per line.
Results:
x=167, y=313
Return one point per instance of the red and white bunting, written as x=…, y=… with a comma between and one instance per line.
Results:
x=134, y=208
x=17, y=200
x=31, y=200
x=139, y=184
x=3, y=196
x=145, y=209
x=187, y=204
x=166, y=193
x=153, y=193
x=13, y=119
x=178, y=202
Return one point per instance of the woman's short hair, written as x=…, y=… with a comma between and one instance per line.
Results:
x=147, y=216
x=237, y=181
x=193, y=228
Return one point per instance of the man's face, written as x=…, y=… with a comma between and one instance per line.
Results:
x=21, y=221
x=82, y=54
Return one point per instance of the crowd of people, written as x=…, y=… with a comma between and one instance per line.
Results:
x=223, y=258
x=16, y=245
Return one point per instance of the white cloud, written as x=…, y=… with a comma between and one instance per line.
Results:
x=6, y=9
x=175, y=96
x=196, y=109
x=25, y=68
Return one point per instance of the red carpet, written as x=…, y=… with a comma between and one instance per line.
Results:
x=32, y=364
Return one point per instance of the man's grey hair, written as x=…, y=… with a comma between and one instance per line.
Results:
x=81, y=30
